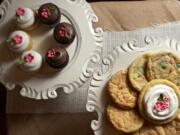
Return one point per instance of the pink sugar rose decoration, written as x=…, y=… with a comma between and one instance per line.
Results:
x=28, y=58
x=162, y=103
x=62, y=31
x=45, y=13
x=51, y=53
x=17, y=39
x=20, y=11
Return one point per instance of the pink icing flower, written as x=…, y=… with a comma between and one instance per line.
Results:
x=157, y=106
x=62, y=31
x=45, y=13
x=17, y=39
x=162, y=104
x=51, y=53
x=28, y=58
x=20, y=11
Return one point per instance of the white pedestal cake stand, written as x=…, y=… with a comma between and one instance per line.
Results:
x=84, y=52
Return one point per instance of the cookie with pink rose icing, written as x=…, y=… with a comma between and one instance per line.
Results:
x=64, y=33
x=26, y=18
x=57, y=57
x=159, y=101
x=30, y=61
x=49, y=14
x=19, y=41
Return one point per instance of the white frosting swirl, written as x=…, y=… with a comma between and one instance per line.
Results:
x=27, y=20
x=23, y=45
x=35, y=64
x=151, y=98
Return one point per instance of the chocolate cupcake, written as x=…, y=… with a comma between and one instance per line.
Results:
x=64, y=33
x=49, y=14
x=57, y=57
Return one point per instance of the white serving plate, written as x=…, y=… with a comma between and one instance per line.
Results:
x=43, y=39
x=120, y=58
x=84, y=51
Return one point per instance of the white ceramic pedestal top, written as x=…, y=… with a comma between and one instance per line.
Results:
x=84, y=51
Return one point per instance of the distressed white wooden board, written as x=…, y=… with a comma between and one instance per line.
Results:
x=120, y=58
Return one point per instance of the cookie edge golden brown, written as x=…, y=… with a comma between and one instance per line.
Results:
x=109, y=89
x=122, y=130
x=131, y=69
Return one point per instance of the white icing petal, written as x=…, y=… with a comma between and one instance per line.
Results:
x=35, y=64
x=151, y=97
x=27, y=20
x=23, y=45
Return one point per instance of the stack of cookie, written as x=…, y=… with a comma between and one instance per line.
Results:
x=146, y=96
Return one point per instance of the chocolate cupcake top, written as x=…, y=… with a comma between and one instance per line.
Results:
x=64, y=33
x=57, y=57
x=49, y=14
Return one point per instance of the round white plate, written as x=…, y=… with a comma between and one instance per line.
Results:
x=84, y=51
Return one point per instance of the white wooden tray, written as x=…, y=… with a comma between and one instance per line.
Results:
x=120, y=58
x=84, y=51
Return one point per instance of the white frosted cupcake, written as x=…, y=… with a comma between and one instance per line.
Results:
x=30, y=61
x=26, y=18
x=19, y=41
